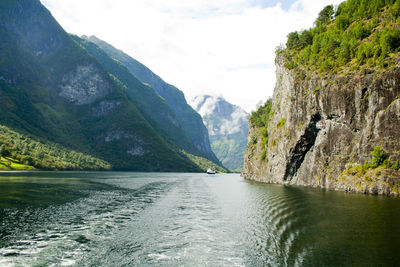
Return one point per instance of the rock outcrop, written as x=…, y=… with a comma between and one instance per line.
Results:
x=323, y=128
x=84, y=85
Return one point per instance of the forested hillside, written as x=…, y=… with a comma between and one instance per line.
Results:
x=42, y=154
x=357, y=33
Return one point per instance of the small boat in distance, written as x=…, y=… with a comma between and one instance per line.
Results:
x=210, y=171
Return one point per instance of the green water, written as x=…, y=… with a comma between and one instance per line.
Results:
x=171, y=219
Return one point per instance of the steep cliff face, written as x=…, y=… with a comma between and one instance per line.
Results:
x=323, y=127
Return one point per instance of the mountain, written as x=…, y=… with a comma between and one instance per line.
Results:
x=227, y=126
x=189, y=119
x=333, y=121
x=54, y=90
x=150, y=104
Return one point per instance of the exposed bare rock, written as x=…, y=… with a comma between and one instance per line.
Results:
x=83, y=85
x=321, y=124
x=117, y=135
x=136, y=146
x=104, y=107
x=136, y=151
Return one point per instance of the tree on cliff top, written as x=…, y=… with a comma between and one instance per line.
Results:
x=325, y=16
x=359, y=32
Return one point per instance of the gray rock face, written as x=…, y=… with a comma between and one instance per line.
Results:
x=136, y=145
x=227, y=126
x=117, y=135
x=104, y=107
x=136, y=151
x=83, y=85
x=321, y=124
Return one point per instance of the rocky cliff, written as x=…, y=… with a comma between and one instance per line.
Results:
x=323, y=128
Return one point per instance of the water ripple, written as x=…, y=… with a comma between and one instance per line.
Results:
x=135, y=219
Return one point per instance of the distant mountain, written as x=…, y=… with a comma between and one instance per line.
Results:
x=227, y=126
x=53, y=89
x=189, y=119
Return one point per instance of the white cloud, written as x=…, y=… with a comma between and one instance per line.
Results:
x=201, y=46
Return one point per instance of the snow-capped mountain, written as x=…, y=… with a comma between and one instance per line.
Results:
x=227, y=126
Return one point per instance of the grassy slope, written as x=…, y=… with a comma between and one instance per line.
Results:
x=28, y=153
x=7, y=163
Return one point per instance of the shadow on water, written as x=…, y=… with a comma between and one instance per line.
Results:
x=276, y=224
x=53, y=218
x=314, y=227
x=40, y=189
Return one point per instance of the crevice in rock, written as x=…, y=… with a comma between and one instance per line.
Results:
x=363, y=92
x=333, y=116
x=306, y=142
x=352, y=118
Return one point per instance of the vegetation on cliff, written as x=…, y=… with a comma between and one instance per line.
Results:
x=380, y=160
x=356, y=33
x=378, y=174
x=336, y=99
x=150, y=104
x=260, y=118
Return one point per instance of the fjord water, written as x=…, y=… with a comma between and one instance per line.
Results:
x=175, y=219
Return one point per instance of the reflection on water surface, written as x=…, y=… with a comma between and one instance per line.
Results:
x=122, y=218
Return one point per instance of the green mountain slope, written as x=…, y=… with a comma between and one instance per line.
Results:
x=189, y=119
x=52, y=88
x=150, y=104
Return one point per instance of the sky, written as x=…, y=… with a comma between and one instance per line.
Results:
x=217, y=47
